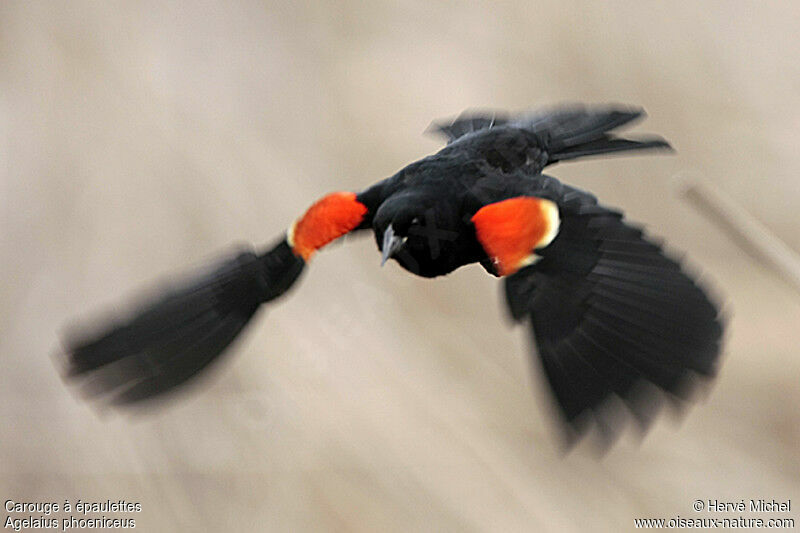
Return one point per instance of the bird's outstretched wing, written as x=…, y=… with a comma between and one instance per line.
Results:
x=175, y=335
x=610, y=313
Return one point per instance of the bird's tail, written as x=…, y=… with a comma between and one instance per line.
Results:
x=578, y=131
x=171, y=338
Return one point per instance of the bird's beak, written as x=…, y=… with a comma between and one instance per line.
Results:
x=391, y=243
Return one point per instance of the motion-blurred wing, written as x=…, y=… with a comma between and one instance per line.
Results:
x=173, y=337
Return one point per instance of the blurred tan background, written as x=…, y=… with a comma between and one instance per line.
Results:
x=140, y=138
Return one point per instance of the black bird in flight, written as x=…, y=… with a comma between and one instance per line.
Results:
x=613, y=317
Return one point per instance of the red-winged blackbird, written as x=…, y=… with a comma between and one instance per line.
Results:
x=611, y=314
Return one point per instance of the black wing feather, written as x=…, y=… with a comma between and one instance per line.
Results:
x=609, y=311
x=172, y=338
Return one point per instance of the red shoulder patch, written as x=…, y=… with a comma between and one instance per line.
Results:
x=512, y=229
x=328, y=219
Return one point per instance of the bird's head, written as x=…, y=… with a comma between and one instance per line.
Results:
x=426, y=238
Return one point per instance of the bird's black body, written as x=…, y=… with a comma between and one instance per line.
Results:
x=501, y=159
x=610, y=312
